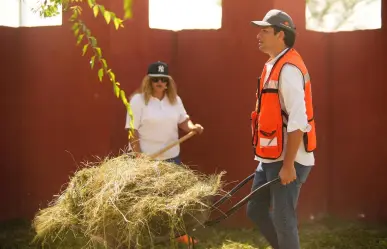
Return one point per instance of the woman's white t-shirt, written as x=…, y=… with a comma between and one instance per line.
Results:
x=157, y=124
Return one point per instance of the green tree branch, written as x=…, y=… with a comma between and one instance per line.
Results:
x=83, y=35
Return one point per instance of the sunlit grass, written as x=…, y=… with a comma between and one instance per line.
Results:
x=326, y=234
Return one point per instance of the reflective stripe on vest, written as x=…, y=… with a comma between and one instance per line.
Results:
x=273, y=84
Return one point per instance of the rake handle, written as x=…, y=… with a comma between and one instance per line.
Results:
x=182, y=139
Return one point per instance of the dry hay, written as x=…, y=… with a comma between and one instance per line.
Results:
x=126, y=202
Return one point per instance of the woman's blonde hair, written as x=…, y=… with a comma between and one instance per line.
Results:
x=146, y=89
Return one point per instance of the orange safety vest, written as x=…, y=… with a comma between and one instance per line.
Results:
x=268, y=120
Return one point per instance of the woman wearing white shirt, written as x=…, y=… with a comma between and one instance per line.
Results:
x=158, y=113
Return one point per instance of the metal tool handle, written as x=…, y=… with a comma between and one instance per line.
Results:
x=232, y=191
x=237, y=206
x=240, y=203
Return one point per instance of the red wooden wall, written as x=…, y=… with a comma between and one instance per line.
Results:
x=56, y=113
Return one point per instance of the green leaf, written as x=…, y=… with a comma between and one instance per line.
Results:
x=92, y=60
x=128, y=8
x=100, y=74
x=117, y=91
x=76, y=31
x=84, y=28
x=85, y=49
x=95, y=10
x=99, y=52
x=127, y=4
x=127, y=105
x=93, y=41
x=80, y=37
x=104, y=63
x=78, y=9
x=91, y=3
x=102, y=8
x=117, y=22
x=74, y=16
x=112, y=75
x=107, y=16
x=65, y=5
x=75, y=26
x=128, y=14
x=123, y=97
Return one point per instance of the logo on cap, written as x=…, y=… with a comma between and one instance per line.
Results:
x=161, y=69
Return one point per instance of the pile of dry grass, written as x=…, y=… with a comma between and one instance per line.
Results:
x=128, y=202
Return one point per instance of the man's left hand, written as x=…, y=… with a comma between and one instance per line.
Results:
x=287, y=173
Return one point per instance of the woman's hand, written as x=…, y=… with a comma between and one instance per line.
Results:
x=197, y=128
x=188, y=126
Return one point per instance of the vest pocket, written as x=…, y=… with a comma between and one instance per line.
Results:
x=269, y=142
x=270, y=133
x=268, y=137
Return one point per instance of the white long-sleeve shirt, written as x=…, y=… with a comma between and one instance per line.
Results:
x=291, y=93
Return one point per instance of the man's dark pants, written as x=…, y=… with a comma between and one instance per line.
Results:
x=274, y=209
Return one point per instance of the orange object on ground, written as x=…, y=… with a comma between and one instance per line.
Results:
x=187, y=240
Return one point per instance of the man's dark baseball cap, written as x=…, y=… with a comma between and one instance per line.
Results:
x=158, y=69
x=277, y=18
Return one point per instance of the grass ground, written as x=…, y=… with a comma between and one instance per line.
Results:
x=326, y=234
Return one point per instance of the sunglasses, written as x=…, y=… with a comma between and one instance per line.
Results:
x=156, y=79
